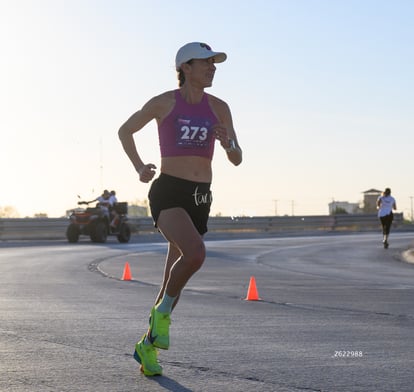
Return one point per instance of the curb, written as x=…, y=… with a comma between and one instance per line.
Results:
x=408, y=255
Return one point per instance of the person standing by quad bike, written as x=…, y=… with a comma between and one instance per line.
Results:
x=114, y=213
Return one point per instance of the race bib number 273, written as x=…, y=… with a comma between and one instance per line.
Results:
x=193, y=132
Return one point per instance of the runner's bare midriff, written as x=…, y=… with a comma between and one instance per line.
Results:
x=192, y=168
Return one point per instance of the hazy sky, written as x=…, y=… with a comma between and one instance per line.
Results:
x=321, y=93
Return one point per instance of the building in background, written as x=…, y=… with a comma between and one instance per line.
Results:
x=368, y=205
x=370, y=201
x=344, y=207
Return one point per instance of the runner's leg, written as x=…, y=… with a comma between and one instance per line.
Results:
x=176, y=226
x=172, y=256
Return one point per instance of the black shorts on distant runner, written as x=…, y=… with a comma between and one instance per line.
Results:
x=194, y=197
x=386, y=222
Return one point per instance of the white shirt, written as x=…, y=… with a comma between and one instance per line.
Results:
x=105, y=202
x=386, y=204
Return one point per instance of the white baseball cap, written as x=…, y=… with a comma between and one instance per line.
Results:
x=197, y=50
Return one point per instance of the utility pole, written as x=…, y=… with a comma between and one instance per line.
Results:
x=412, y=216
x=293, y=207
x=275, y=201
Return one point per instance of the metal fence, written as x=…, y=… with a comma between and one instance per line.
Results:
x=55, y=228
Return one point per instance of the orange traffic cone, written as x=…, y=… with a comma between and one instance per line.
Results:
x=127, y=272
x=252, y=293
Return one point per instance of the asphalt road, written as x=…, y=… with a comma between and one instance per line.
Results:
x=336, y=314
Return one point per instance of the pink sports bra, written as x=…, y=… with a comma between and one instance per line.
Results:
x=187, y=129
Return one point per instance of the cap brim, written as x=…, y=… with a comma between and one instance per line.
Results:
x=219, y=57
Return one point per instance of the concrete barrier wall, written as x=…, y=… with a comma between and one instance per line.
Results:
x=55, y=228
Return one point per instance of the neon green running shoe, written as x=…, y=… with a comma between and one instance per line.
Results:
x=158, y=332
x=146, y=355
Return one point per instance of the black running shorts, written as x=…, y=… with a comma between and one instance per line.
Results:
x=194, y=197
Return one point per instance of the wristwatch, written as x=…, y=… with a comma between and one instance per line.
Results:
x=232, y=145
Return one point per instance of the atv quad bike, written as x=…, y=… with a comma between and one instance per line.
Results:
x=95, y=223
